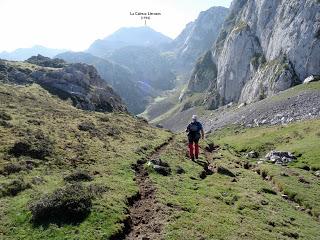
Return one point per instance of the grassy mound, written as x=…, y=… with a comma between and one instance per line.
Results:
x=71, y=204
x=79, y=175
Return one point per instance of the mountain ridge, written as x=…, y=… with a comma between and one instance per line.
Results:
x=22, y=54
x=79, y=82
x=127, y=36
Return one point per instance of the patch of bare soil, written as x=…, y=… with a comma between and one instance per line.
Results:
x=147, y=215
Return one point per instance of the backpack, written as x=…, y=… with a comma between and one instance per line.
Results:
x=193, y=127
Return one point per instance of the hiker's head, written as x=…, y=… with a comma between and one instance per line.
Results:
x=194, y=118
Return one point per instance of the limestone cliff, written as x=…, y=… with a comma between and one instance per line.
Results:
x=265, y=46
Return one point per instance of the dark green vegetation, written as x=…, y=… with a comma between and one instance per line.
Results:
x=66, y=173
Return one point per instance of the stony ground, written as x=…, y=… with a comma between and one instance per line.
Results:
x=296, y=104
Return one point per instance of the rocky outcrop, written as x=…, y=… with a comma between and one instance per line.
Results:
x=265, y=46
x=120, y=78
x=280, y=158
x=46, y=62
x=78, y=82
x=205, y=70
x=198, y=37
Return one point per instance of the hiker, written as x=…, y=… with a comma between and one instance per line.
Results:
x=194, y=129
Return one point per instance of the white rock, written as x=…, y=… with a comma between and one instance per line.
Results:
x=242, y=105
x=310, y=79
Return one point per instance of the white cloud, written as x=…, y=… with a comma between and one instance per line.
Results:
x=75, y=24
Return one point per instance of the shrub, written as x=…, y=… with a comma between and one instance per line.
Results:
x=96, y=190
x=79, y=175
x=87, y=126
x=267, y=190
x=5, y=116
x=11, y=168
x=5, y=124
x=71, y=204
x=36, y=146
x=14, y=187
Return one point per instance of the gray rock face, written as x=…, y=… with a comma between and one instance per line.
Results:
x=205, y=70
x=120, y=78
x=198, y=36
x=265, y=46
x=78, y=82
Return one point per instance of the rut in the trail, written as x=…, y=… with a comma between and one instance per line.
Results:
x=207, y=166
x=147, y=215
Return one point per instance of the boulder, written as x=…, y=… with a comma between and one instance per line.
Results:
x=252, y=154
x=160, y=166
x=279, y=157
x=165, y=171
x=180, y=170
x=311, y=78
x=317, y=173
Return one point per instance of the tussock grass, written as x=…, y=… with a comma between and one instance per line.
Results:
x=58, y=139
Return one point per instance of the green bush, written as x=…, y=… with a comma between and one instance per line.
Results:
x=14, y=187
x=11, y=168
x=79, y=175
x=71, y=204
x=33, y=145
x=5, y=116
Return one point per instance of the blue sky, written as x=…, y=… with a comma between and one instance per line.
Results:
x=75, y=24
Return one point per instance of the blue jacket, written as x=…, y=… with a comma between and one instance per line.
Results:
x=194, y=128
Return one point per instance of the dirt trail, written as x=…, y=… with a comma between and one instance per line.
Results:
x=208, y=167
x=147, y=215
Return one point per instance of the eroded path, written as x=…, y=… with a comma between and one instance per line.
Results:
x=147, y=215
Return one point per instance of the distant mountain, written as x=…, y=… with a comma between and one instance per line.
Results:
x=79, y=82
x=198, y=37
x=147, y=64
x=131, y=36
x=122, y=80
x=22, y=54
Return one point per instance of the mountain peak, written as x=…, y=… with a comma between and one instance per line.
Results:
x=128, y=36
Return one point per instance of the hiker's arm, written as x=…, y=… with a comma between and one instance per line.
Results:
x=202, y=133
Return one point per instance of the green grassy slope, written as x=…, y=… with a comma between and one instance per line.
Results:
x=246, y=206
x=106, y=148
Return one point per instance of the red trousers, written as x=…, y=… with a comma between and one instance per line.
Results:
x=196, y=150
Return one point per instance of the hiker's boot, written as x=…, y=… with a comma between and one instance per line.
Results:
x=192, y=158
